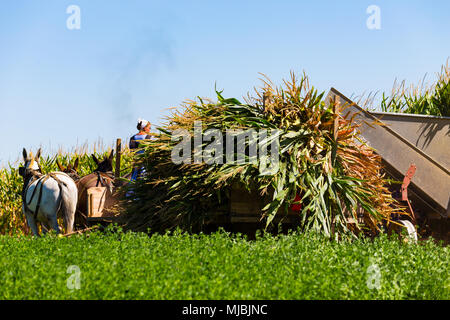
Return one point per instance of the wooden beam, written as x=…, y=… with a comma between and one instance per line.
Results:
x=118, y=155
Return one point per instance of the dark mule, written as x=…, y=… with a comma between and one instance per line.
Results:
x=71, y=171
x=101, y=177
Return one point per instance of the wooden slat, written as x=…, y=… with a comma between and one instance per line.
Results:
x=96, y=201
x=118, y=156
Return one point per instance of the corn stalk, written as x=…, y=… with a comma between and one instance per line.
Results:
x=320, y=159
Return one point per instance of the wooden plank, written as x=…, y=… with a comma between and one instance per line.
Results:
x=118, y=156
x=102, y=219
x=96, y=201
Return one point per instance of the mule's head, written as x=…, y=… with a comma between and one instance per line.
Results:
x=71, y=171
x=31, y=163
x=106, y=164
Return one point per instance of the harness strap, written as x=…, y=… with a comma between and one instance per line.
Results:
x=33, y=178
x=55, y=177
x=40, y=196
x=40, y=183
x=102, y=180
x=99, y=179
x=60, y=184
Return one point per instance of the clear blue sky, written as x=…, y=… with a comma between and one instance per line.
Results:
x=130, y=59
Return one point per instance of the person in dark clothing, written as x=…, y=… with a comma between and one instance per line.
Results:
x=144, y=127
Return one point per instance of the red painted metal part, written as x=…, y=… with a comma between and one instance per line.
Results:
x=298, y=206
x=406, y=181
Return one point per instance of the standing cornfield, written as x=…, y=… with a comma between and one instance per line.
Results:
x=321, y=162
x=11, y=217
x=421, y=99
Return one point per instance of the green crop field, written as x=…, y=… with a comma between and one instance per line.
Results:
x=114, y=264
x=117, y=265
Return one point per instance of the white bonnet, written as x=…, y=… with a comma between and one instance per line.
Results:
x=142, y=123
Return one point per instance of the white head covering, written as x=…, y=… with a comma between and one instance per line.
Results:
x=142, y=123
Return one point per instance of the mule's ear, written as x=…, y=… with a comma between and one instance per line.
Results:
x=25, y=155
x=95, y=159
x=38, y=155
x=75, y=165
x=111, y=155
x=61, y=168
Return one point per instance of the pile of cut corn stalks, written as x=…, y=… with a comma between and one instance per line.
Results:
x=321, y=159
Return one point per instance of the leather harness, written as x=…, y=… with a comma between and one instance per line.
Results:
x=35, y=175
x=101, y=180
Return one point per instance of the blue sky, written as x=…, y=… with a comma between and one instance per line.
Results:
x=130, y=59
